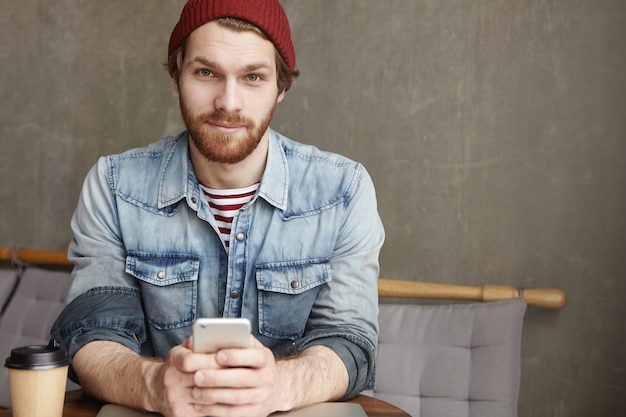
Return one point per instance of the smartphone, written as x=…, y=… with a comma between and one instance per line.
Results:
x=213, y=334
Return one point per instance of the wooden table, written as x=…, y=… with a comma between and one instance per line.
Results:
x=77, y=404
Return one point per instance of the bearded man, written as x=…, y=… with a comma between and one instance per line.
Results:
x=227, y=219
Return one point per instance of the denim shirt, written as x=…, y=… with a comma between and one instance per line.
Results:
x=302, y=265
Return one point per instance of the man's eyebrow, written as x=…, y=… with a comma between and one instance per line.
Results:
x=204, y=61
x=257, y=66
x=248, y=68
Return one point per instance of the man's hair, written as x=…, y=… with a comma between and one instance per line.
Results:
x=285, y=75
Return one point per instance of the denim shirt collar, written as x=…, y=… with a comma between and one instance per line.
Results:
x=275, y=181
x=178, y=179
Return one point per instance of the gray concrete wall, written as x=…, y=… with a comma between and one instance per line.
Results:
x=495, y=131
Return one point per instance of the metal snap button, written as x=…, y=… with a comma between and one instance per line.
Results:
x=295, y=284
x=239, y=236
x=161, y=275
x=234, y=294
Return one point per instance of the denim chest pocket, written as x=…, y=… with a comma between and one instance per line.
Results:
x=169, y=286
x=287, y=293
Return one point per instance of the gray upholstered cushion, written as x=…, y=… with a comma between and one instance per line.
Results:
x=38, y=300
x=460, y=360
x=8, y=277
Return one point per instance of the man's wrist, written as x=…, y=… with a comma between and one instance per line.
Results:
x=287, y=396
x=150, y=369
x=315, y=375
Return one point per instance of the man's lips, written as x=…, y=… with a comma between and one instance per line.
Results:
x=225, y=127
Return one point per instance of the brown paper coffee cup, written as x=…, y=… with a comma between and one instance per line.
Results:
x=37, y=378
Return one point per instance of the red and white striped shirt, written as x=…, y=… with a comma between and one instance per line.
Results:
x=225, y=204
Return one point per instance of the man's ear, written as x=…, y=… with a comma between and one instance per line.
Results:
x=280, y=97
x=175, y=80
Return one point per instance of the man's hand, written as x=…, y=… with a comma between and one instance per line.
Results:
x=171, y=384
x=231, y=382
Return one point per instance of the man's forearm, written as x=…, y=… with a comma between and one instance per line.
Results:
x=316, y=375
x=113, y=373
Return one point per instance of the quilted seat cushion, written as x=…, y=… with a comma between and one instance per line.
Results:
x=8, y=277
x=38, y=300
x=459, y=360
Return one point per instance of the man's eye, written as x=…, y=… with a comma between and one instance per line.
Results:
x=205, y=73
x=254, y=77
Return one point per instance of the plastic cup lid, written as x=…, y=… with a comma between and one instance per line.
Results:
x=37, y=357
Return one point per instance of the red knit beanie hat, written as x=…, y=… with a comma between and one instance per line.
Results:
x=267, y=15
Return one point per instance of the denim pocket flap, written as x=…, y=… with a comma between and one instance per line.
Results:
x=162, y=269
x=292, y=278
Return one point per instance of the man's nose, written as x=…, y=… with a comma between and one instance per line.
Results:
x=229, y=98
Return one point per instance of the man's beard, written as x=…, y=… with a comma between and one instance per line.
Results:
x=219, y=147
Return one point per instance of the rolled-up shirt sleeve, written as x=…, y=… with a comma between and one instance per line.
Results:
x=89, y=317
